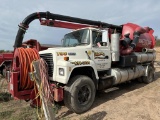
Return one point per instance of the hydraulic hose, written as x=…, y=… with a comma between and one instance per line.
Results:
x=47, y=15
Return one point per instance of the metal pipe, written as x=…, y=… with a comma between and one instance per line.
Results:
x=146, y=50
x=47, y=15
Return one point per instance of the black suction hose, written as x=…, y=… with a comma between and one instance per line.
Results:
x=47, y=15
x=135, y=39
x=19, y=37
x=23, y=27
x=133, y=45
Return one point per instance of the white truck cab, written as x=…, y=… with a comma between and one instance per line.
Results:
x=87, y=47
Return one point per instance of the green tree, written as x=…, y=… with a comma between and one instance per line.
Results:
x=2, y=51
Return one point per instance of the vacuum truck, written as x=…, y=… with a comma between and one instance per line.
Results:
x=94, y=56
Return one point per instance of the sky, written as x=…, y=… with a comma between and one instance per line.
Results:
x=118, y=12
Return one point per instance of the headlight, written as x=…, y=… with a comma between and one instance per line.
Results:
x=61, y=71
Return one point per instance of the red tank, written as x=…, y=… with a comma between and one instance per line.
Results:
x=146, y=39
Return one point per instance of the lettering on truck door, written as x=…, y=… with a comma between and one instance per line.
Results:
x=101, y=53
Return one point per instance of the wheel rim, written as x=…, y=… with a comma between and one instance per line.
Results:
x=84, y=94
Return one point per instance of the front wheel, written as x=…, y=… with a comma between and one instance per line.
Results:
x=79, y=94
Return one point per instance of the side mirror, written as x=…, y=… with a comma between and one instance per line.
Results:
x=105, y=36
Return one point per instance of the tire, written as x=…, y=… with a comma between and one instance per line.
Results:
x=150, y=75
x=4, y=72
x=0, y=71
x=79, y=94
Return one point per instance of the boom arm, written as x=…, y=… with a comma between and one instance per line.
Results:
x=53, y=19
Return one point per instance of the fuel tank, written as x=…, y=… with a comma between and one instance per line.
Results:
x=125, y=74
x=146, y=39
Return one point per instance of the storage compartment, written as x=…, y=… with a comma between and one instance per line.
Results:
x=128, y=61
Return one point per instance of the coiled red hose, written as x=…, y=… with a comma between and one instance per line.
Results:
x=26, y=56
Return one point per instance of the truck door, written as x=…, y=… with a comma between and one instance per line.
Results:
x=101, y=51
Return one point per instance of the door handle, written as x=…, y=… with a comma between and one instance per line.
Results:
x=106, y=57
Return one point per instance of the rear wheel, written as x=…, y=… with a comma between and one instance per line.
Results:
x=4, y=72
x=150, y=75
x=0, y=71
x=79, y=94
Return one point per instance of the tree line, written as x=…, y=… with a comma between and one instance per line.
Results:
x=5, y=51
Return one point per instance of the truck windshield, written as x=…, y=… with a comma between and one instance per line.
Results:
x=80, y=37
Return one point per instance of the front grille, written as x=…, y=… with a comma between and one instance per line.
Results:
x=48, y=57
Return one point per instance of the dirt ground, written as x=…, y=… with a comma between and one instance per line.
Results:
x=128, y=101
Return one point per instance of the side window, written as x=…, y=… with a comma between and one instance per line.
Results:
x=96, y=37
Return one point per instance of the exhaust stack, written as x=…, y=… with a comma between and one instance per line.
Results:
x=115, y=46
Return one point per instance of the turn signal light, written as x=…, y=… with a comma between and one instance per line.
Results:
x=66, y=58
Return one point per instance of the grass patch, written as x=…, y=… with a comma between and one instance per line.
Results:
x=5, y=115
x=157, y=43
x=5, y=96
x=1, y=76
x=26, y=113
